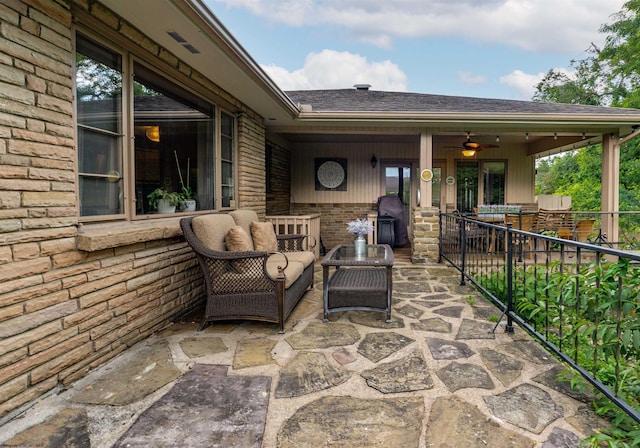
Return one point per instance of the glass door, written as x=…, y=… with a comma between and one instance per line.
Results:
x=397, y=182
x=466, y=186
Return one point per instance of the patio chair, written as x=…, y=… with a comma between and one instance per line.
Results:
x=584, y=228
x=524, y=222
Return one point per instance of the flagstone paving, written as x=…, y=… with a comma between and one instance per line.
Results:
x=436, y=376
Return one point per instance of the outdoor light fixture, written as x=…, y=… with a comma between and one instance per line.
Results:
x=374, y=161
x=526, y=136
x=497, y=138
x=153, y=133
x=555, y=136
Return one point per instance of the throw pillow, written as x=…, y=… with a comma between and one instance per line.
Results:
x=264, y=237
x=237, y=240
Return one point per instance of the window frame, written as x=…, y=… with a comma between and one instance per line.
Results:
x=130, y=58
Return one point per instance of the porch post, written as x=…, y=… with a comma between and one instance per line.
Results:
x=424, y=247
x=426, y=161
x=610, y=185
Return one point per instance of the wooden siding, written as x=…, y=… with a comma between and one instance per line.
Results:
x=364, y=182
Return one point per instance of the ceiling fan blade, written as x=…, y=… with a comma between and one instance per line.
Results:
x=487, y=146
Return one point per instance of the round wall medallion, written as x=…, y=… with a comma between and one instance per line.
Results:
x=330, y=174
x=426, y=175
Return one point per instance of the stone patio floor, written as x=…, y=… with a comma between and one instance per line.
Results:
x=434, y=377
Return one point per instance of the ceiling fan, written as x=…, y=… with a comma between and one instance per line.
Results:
x=470, y=148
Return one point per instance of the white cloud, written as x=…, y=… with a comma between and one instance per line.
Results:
x=471, y=78
x=534, y=25
x=339, y=70
x=525, y=83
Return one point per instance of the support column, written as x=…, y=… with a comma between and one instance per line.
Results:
x=610, y=185
x=426, y=161
x=425, y=218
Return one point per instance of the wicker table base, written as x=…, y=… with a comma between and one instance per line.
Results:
x=358, y=289
x=358, y=283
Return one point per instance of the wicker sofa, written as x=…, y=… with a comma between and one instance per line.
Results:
x=254, y=279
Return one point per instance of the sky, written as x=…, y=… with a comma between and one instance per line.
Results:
x=476, y=48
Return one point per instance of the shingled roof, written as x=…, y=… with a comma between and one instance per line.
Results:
x=362, y=100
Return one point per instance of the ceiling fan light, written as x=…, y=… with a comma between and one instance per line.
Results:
x=468, y=152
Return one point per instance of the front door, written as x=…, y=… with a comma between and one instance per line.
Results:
x=397, y=181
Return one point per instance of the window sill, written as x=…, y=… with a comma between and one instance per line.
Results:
x=95, y=237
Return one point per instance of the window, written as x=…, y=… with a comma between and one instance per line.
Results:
x=470, y=187
x=174, y=139
x=99, y=112
x=227, y=144
x=494, y=182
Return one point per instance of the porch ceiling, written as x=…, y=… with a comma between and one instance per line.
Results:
x=535, y=143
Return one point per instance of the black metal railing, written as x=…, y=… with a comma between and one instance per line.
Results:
x=580, y=300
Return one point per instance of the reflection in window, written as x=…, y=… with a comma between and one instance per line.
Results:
x=99, y=112
x=494, y=182
x=173, y=142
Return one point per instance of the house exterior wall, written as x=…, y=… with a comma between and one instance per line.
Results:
x=364, y=185
x=279, y=184
x=73, y=296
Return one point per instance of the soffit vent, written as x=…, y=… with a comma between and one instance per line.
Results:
x=178, y=38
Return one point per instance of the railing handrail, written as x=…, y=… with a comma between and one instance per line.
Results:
x=460, y=246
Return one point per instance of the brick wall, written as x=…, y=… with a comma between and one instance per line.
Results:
x=279, y=188
x=334, y=219
x=251, y=169
x=64, y=311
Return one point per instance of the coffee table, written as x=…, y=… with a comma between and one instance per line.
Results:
x=358, y=282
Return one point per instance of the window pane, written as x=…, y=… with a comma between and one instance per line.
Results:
x=467, y=186
x=494, y=182
x=174, y=146
x=226, y=153
x=99, y=112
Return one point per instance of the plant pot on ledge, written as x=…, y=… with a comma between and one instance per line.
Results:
x=189, y=205
x=165, y=207
x=164, y=201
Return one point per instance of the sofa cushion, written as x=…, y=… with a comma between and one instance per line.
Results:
x=291, y=273
x=304, y=256
x=237, y=240
x=212, y=229
x=264, y=237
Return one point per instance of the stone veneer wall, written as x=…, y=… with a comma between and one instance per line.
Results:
x=71, y=299
x=334, y=219
x=425, y=235
x=279, y=190
x=251, y=174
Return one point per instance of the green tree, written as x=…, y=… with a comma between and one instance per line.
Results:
x=609, y=77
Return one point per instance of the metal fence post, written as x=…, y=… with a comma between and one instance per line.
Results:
x=509, y=241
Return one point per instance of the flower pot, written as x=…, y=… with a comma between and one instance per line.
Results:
x=360, y=246
x=189, y=205
x=164, y=207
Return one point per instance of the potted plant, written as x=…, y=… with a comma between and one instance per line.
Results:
x=163, y=200
x=188, y=202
